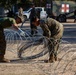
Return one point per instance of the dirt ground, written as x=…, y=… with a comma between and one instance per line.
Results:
x=66, y=66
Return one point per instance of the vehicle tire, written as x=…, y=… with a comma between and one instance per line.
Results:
x=62, y=18
x=32, y=51
x=25, y=17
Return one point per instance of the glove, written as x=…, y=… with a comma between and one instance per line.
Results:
x=21, y=32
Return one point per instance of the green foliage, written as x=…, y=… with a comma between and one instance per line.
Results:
x=9, y=3
x=39, y=2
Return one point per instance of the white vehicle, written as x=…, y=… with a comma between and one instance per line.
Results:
x=43, y=13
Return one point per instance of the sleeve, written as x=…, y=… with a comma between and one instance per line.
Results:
x=8, y=22
x=46, y=31
x=12, y=21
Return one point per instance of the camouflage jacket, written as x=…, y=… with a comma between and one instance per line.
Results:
x=50, y=27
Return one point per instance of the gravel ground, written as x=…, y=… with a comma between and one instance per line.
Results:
x=67, y=65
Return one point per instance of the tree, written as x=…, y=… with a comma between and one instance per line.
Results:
x=8, y=3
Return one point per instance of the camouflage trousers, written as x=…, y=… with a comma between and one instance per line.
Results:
x=53, y=46
x=2, y=42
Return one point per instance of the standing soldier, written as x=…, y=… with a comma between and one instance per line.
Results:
x=53, y=30
x=20, y=14
x=4, y=23
x=20, y=11
x=32, y=15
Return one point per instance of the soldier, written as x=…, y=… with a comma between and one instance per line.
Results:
x=32, y=15
x=4, y=23
x=20, y=11
x=53, y=30
x=20, y=14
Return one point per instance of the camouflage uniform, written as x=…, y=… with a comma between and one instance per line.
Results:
x=4, y=23
x=21, y=14
x=52, y=29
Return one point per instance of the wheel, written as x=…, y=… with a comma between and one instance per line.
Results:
x=62, y=18
x=32, y=50
x=25, y=17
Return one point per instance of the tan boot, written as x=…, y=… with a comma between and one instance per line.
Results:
x=56, y=59
x=2, y=59
x=51, y=59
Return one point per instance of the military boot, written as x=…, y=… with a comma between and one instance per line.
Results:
x=56, y=59
x=51, y=59
x=2, y=59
